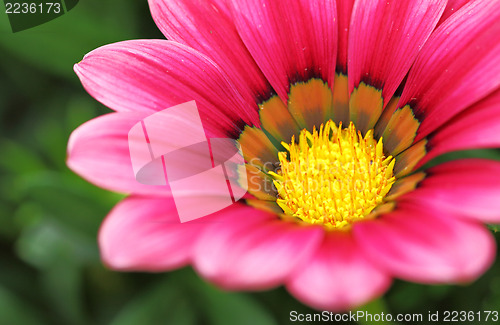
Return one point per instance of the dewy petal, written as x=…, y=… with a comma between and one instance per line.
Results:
x=384, y=40
x=468, y=188
x=98, y=151
x=208, y=27
x=253, y=249
x=451, y=7
x=145, y=234
x=459, y=65
x=153, y=75
x=337, y=277
x=290, y=40
x=476, y=127
x=426, y=245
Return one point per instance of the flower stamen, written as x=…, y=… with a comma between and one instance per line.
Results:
x=333, y=176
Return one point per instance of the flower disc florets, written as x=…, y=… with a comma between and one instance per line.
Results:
x=333, y=176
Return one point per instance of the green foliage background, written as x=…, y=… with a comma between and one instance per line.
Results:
x=50, y=271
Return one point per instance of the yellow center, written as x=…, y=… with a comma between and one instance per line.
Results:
x=333, y=177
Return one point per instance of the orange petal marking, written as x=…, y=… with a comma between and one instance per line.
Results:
x=265, y=205
x=257, y=149
x=277, y=120
x=400, y=131
x=404, y=185
x=310, y=103
x=386, y=117
x=340, y=109
x=365, y=107
x=260, y=185
x=408, y=159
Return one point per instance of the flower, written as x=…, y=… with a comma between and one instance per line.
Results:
x=337, y=104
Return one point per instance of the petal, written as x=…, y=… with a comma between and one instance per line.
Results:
x=459, y=65
x=310, y=103
x=344, y=13
x=253, y=249
x=207, y=26
x=384, y=40
x=258, y=150
x=397, y=128
x=451, y=7
x=290, y=40
x=144, y=233
x=337, y=277
x=475, y=128
x=407, y=161
x=340, y=109
x=260, y=184
x=365, y=106
x=425, y=245
x=153, y=75
x=468, y=188
x=99, y=152
x=277, y=120
x=404, y=185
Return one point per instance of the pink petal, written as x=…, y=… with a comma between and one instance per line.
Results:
x=424, y=244
x=459, y=65
x=121, y=151
x=99, y=152
x=337, y=277
x=253, y=249
x=476, y=127
x=145, y=234
x=384, y=40
x=451, y=7
x=290, y=40
x=468, y=188
x=152, y=75
x=344, y=12
x=208, y=27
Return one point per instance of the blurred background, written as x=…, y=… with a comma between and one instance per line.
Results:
x=50, y=271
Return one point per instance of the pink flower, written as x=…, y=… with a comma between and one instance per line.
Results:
x=417, y=78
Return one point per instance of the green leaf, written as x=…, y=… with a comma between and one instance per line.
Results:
x=229, y=308
x=494, y=228
x=163, y=303
x=57, y=45
x=49, y=242
x=18, y=158
x=493, y=154
x=15, y=311
x=58, y=199
x=62, y=283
